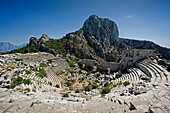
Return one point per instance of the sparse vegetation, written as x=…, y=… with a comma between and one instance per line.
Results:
x=71, y=63
x=107, y=84
x=37, y=102
x=50, y=61
x=126, y=83
x=98, y=74
x=105, y=90
x=88, y=73
x=28, y=72
x=19, y=59
x=114, y=85
x=43, y=65
x=27, y=89
x=27, y=81
x=87, y=88
x=20, y=80
x=57, y=86
x=70, y=70
x=27, y=49
x=81, y=79
x=65, y=95
x=96, y=81
x=59, y=73
x=42, y=73
x=94, y=86
x=77, y=91
x=68, y=83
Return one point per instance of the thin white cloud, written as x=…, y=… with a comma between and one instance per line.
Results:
x=129, y=16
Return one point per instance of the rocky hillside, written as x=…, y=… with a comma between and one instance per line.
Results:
x=138, y=44
x=98, y=39
x=6, y=46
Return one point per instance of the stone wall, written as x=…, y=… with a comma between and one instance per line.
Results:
x=109, y=66
x=131, y=56
x=87, y=63
x=103, y=67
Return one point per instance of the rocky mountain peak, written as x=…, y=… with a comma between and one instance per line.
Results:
x=103, y=29
x=101, y=34
x=44, y=37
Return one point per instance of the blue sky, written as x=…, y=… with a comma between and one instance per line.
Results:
x=136, y=19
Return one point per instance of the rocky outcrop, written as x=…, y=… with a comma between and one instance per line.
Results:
x=41, y=45
x=44, y=38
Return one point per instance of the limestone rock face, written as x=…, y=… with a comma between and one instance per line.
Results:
x=102, y=35
x=103, y=30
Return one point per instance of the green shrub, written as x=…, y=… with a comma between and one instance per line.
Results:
x=105, y=90
x=126, y=83
x=19, y=59
x=27, y=89
x=59, y=73
x=27, y=81
x=114, y=85
x=16, y=82
x=19, y=79
x=50, y=61
x=65, y=95
x=87, y=88
x=97, y=74
x=89, y=82
x=28, y=72
x=81, y=79
x=43, y=65
x=102, y=95
x=68, y=83
x=88, y=73
x=107, y=84
x=50, y=83
x=70, y=70
x=71, y=63
x=77, y=91
x=42, y=73
x=34, y=89
x=80, y=71
x=94, y=86
x=57, y=86
x=96, y=81
x=35, y=69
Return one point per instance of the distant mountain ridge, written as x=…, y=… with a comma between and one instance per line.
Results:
x=6, y=46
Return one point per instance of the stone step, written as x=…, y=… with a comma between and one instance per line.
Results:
x=153, y=78
x=165, y=72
